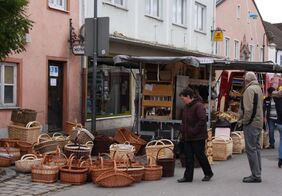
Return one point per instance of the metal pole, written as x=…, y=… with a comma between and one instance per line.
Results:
x=94, y=70
x=139, y=98
x=209, y=110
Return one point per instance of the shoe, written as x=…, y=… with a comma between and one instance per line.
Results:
x=183, y=180
x=270, y=147
x=280, y=163
x=252, y=179
x=207, y=177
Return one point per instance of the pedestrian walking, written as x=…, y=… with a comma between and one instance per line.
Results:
x=270, y=116
x=251, y=116
x=193, y=135
x=278, y=104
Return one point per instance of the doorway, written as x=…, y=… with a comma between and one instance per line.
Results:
x=55, y=95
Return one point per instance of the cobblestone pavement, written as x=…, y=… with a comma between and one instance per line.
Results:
x=22, y=185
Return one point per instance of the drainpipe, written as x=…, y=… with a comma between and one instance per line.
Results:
x=83, y=90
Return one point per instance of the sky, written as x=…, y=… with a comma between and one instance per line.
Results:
x=270, y=10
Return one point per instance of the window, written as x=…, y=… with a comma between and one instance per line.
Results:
x=200, y=14
x=217, y=48
x=280, y=60
x=179, y=12
x=58, y=4
x=119, y=3
x=227, y=47
x=238, y=12
x=251, y=52
x=261, y=54
x=236, y=50
x=8, y=75
x=153, y=8
x=112, y=91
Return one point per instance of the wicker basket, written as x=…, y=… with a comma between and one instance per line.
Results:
x=56, y=158
x=124, y=135
x=73, y=174
x=61, y=139
x=45, y=144
x=222, y=148
x=14, y=153
x=80, y=135
x=152, y=171
x=265, y=139
x=23, y=116
x=29, y=133
x=27, y=161
x=238, y=142
x=122, y=152
x=5, y=160
x=114, y=178
x=25, y=147
x=77, y=150
x=97, y=169
x=69, y=127
x=154, y=146
x=44, y=173
x=10, y=142
x=168, y=164
x=136, y=171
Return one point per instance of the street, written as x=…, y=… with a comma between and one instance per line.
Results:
x=226, y=181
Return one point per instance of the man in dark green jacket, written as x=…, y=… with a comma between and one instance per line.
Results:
x=251, y=115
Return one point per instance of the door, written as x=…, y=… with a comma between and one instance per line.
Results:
x=55, y=95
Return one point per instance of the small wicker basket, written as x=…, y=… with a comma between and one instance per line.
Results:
x=153, y=147
x=26, y=162
x=152, y=171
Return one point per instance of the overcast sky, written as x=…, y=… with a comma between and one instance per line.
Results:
x=270, y=10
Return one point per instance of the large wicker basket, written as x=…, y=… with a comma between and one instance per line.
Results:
x=80, y=135
x=29, y=133
x=154, y=146
x=23, y=116
x=124, y=135
x=45, y=144
x=122, y=152
x=238, y=142
x=26, y=162
x=222, y=148
x=44, y=173
x=99, y=168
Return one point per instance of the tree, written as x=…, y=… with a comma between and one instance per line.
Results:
x=14, y=24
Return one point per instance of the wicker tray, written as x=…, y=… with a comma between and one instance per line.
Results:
x=29, y=133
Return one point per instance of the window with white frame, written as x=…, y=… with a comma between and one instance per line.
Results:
x=119, y=3
x=58, y=4
x=8, y=81
x=251, y=52
x=236, y=49
x=200, y=15
x=153, y=8
x=179, y=12
x=261, y=54
x=238, y=12
x=217, y=48
x=227, y=47
x=280, y=60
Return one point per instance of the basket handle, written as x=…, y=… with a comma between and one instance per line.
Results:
x=157, y=157
x=151, y=143
x=29, y=124
x=166, y=140
x=41, y=136
x=150, y=161
x=78, y=125
x=29, y=157
x=222, y=138
x=57, y=134
x=237, y=134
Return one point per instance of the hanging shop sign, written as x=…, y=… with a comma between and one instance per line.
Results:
x=218, y=36
x=78, y=49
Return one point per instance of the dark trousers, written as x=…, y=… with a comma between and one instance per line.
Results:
x=196, y=148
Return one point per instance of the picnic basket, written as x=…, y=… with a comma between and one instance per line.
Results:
x=168, y=164
x=73, y=174
x=29, y=133
x=26, y=162
x=153, y=147
x=222, y=148
x=114, y=178
x=45, y=144
x=123, y=135
x=80, y=135
x=152, y=171
x=44, y=173
x=238, y=142
x=23, y=116
x=122, y=152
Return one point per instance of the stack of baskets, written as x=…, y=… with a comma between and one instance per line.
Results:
x=124, y=135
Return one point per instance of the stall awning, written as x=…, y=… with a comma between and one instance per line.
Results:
x=217, y=64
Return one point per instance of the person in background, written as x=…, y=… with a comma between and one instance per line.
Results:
x=271, y=116
x=278, y=105
x=251, y=117
x=193, y=135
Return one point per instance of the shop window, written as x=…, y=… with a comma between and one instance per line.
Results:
x=8, y=81
x=58, y=4
x=112, y=91
x=153, y=8
x=179, y=12
x=200, y=15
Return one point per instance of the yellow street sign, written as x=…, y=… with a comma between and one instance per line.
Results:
x=218, y=36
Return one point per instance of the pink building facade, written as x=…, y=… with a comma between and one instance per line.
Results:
x=46, y=77
x=243, y=31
